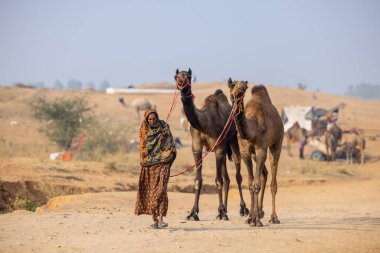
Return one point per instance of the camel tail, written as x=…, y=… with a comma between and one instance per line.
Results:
x=229, y=150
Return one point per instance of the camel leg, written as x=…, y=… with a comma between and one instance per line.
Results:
x=239, y=179
x=327, y=144
x=274, y=157
x=361, y=156
x=220, y=158
x=246, y=157
x=261, y=155
x=351, y=155
x=193, y=215
x=226, y=186
x=263, y=180
x=138, y=114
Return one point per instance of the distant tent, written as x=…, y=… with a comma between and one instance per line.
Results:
x=301, y=114
x=308, y=117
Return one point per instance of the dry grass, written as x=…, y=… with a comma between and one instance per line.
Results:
x=24, y=151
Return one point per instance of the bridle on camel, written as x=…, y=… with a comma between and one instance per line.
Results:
x=239, y=100
x=222, y=135
x=179, y=87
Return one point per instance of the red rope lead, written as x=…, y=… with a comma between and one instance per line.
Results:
x=221, y=137
x=172, y=106
x=176, y=93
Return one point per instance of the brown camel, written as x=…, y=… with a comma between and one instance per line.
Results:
x=207, y=124
x=296, y=134
x=260, y=126
x=353, y=140
x=332, y=137
x=139, y=104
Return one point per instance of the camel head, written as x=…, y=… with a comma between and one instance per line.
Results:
x=237, y=89
x=122, y=101
x=183, y=78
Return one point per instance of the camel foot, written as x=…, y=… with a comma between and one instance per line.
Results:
x=248, y=221
x=193, y=216
x=244, y=211
x=222, y=216
x=254, y=223
x=274, y=221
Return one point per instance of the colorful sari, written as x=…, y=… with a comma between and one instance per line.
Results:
x=157, y=153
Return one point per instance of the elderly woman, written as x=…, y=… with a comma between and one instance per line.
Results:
x=157, y=153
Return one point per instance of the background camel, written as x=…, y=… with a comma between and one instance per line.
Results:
x=207, y=124
x=261, y=126
x=332, y=138
x=296, y=134
x=350, y=142
x=139, y=104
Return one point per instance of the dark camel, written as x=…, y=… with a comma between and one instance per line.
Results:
x=332, y=138
x=260, y=126
x=207, y=124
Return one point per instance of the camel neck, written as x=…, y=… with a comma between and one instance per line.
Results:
x=241, y=121
x=193, y=115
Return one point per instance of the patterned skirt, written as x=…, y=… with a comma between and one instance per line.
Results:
x=152, y=196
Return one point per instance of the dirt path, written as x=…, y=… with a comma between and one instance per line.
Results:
x=331, y=217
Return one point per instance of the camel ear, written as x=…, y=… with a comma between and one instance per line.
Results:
x=177, y=71
x=246, y=82
x=190, y=72
x=229, y=82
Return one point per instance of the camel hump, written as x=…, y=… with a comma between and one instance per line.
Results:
x=262, y=92
x=218, y=92
x=259, y=88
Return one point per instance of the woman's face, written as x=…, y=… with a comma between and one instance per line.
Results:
x=152, y=119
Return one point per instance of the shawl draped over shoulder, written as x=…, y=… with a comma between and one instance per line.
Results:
x=156, y=143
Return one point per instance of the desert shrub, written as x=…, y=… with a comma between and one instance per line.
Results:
x=301, y=86
x=102, y=141
x=24, y=204
x=64, y=118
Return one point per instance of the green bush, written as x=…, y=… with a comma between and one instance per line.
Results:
x=24, y=204
x=102, y=141
x=64, y=118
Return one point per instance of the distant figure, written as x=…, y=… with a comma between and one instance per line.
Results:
x=157, y=153
x=178, y=142
x=184, y=123
x=139, y=104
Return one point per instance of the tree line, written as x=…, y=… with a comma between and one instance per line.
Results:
x=364, y=90
x=72, y=84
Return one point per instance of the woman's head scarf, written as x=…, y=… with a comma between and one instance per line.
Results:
x=156, y=142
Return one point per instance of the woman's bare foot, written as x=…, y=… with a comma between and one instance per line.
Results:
x=162, y=224
x=155, y=225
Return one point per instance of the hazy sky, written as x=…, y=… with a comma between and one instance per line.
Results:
x=326, y=44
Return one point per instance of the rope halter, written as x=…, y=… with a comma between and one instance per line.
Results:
x=238, y=100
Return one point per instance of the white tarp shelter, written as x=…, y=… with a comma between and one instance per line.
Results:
x=292, y=114
x=138, y=91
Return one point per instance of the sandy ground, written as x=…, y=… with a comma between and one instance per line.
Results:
x=338, y=216
x=323, y=207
